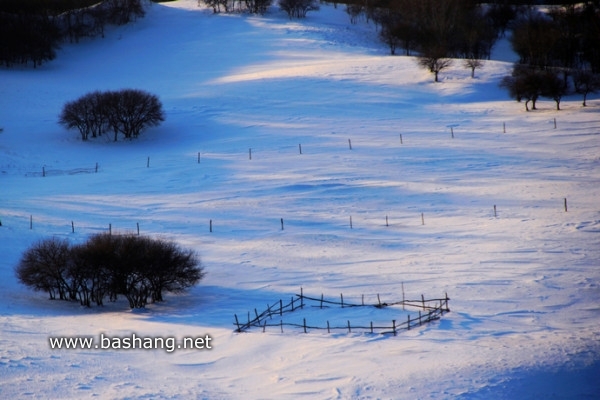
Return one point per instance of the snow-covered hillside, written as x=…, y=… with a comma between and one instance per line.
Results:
x=435, y=159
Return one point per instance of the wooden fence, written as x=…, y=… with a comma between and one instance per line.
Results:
x=428, y=310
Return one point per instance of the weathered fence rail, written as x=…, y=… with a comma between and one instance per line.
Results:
x=428, y=310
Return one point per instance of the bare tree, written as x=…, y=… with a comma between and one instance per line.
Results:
x=586, y=82
x=435, y=64
x=473, y=64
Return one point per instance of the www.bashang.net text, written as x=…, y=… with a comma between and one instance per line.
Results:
x=130, y=342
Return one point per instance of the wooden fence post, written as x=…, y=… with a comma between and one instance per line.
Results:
x=300, y=148
x=280, y=307
x=321, y=300
x=250, y=154
x=304, y=324
x=408, y=324
x=350, y=144
x=281, y=325
x=237, y=323
x=138, y=228
x=400, y=138
x=394, y=325
x=328, y=330
x=281, y=223
x=422, y=219
x=565, y=204
x=349, y=330
x=342, y=299
x=210, y=226
x=301, y=298
x=72, y=227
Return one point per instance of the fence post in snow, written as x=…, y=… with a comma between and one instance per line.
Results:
x=504, y=127
x=422, y=219
x=281, y=223
x=565, y=204
x=210, y=226
x=148, y=163
x=237, y=322
x=138, y=228
x=495, y=214
x=250, y=154
x=30, y=221
x=394, y=325
x=300, y=148
x=72, y=227
x=401, y=139
x=350, y=144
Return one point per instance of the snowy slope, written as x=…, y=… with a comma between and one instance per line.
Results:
x=524, y=284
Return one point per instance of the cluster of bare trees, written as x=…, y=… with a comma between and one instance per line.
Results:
x=126, y=111
x=137, y=267
x=32, y=30
x=227, y=6
x=559, y=52
x=437, y=30
x=293, y=8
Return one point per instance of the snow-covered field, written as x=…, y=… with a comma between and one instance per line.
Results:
x=524, y=284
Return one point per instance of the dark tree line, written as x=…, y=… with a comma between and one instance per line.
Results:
x=559, y=52
x=293, y=8
x=437, y=31
x=126, y=111
x=106, y=266
x=32, y=30
x=228, y=6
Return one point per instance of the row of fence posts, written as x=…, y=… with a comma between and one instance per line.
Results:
x=300, y=147
x=210, y=222
x=260, y=320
